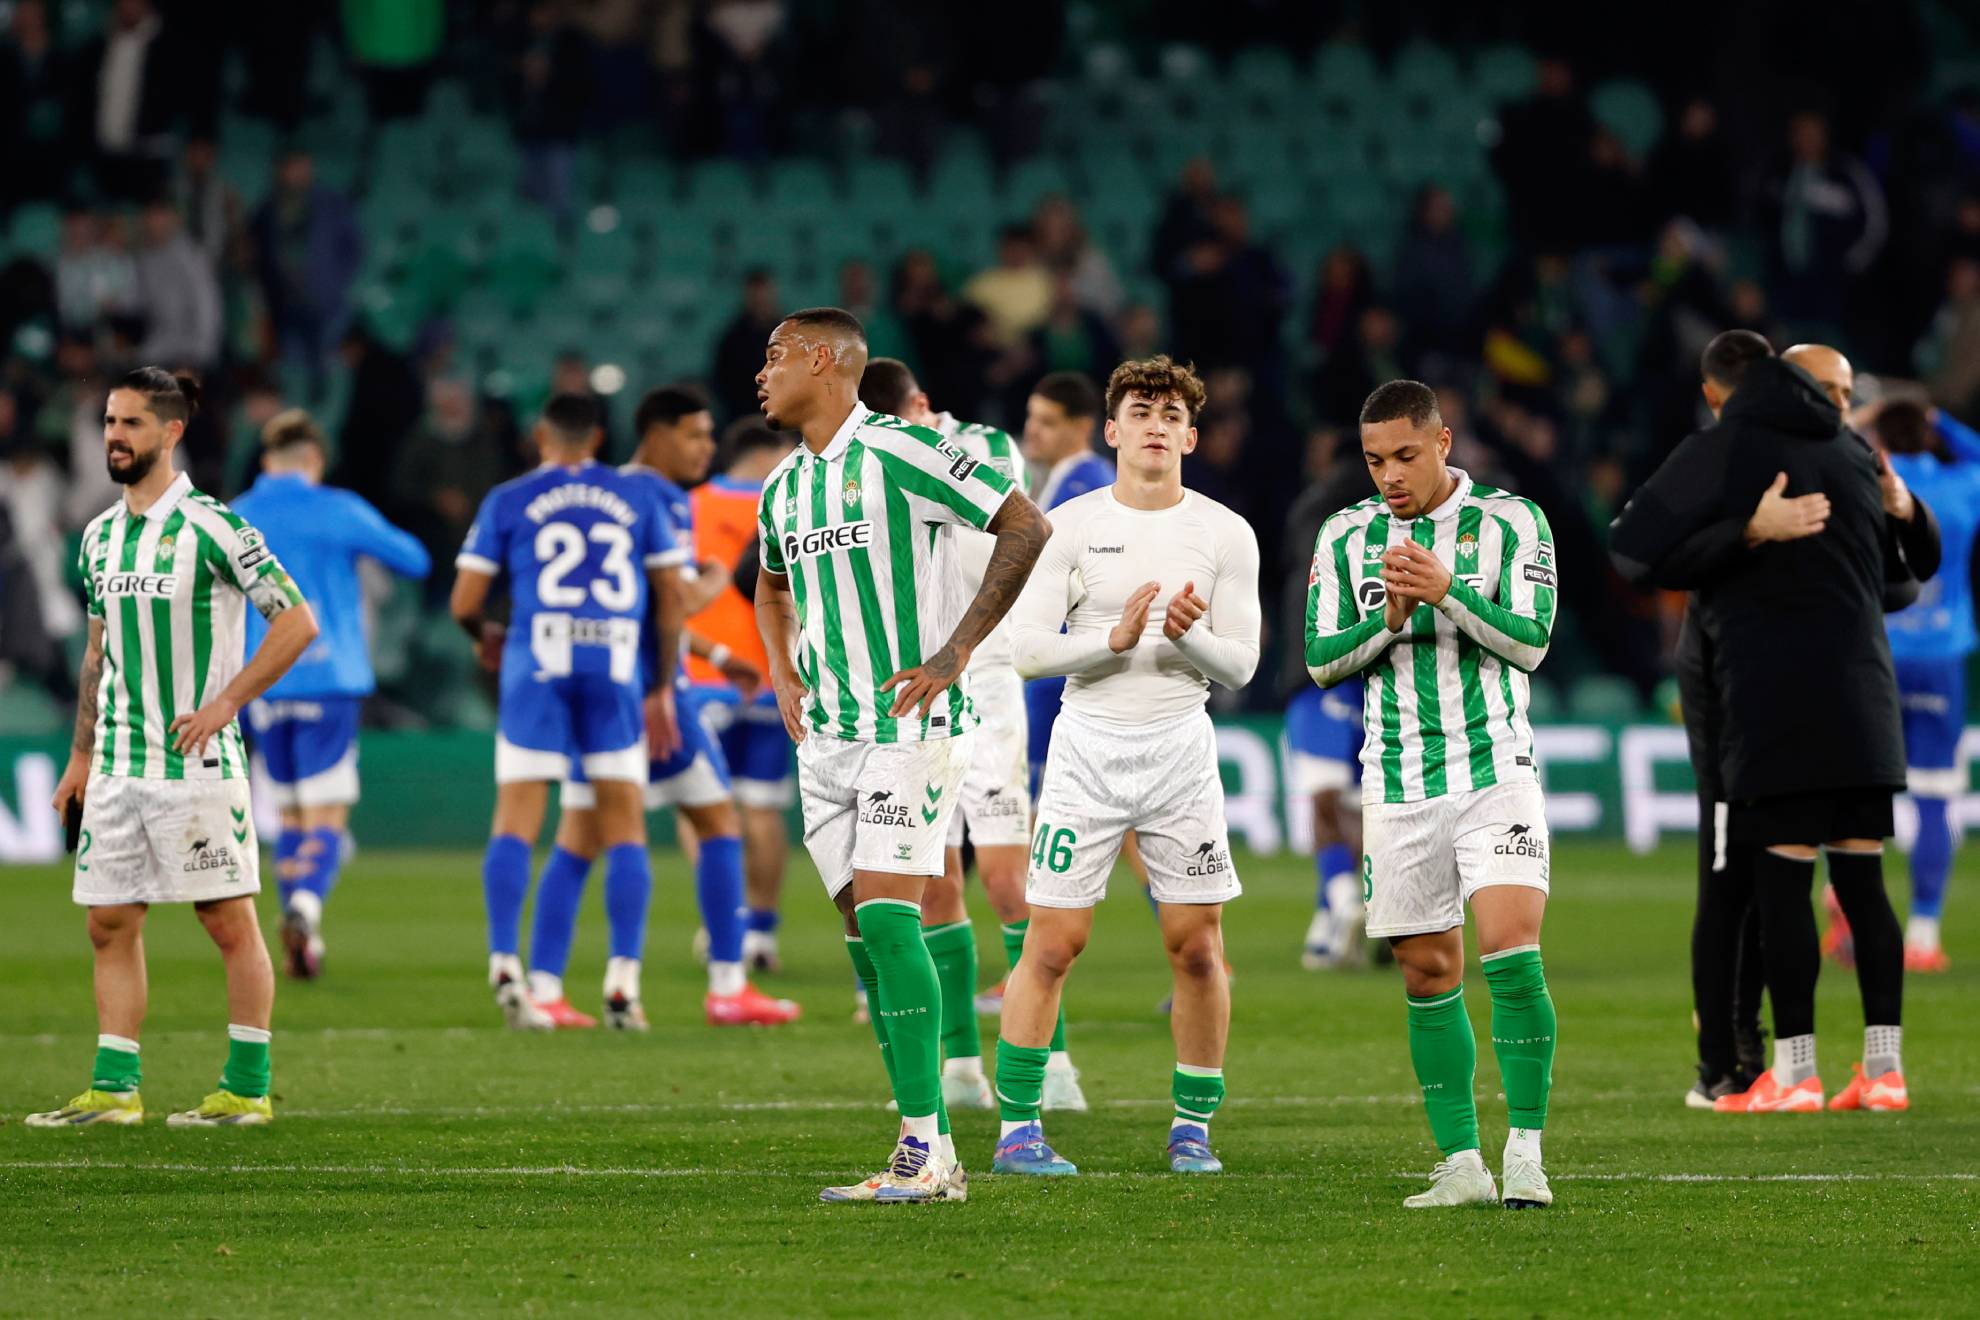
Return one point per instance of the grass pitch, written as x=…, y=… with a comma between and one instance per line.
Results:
x=427, y=1161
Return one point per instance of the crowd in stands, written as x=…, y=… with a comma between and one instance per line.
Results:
x=1558, y=302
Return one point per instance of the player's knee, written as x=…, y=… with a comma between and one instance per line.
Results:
x=714, y=820
x=1053, y=952
x=1793, y=851
x=229, y=925
x=1198, y=954
x=1872, y=846
x=1429, y=966
x=111, y=927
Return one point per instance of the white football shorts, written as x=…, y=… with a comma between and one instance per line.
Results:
x=165, y=841
x=995, y=801
x=878, y=806
x=1426, y=859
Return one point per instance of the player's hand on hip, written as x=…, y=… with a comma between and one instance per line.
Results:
x=1414, y=571
x=488, y=651
x=790, y=699
x=663, y=730
x=1134, y=618
x=73, y=786
x=191, y=733
x=1779, y=517
x=916, y=689
x=1185, y=608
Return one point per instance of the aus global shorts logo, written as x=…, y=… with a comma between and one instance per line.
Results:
x=1211, y=857
x=203, y=854
x=880, y=808
x=1517, y=840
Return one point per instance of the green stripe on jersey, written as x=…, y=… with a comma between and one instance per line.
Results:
x=860, y=561
x=131, y=654
x=161, y=650
x=836, y=659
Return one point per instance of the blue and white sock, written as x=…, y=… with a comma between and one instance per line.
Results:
x=718, y=887
x=287, y=844
x=628, y=890
x=323, y=849
x=1332, y=860
x=559, y=891
x=761, y=921
x=1931, y=863
x=505, y=888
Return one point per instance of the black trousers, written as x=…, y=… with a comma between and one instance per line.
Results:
x=1728, y=973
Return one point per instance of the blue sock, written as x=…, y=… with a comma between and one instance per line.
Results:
x=505, y=887
x=628, y=887
x=762, y=920
x=559, y=890
x=1931, y=858
x=287, y=844
x=325, y=859
x=1329, y=862
x=718, y=887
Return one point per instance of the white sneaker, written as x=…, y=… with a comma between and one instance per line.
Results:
x=967, y=1090
x=759, y=952
x=917, y=1173
x=957, y=1186
x=1318, y=953
x=518, y=1009
x=1062, y=1088
x=1462, y=1179
x=623, y=1014
x=1526, y=1183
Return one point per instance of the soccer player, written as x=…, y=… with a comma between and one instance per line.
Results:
x=1156, y=590
x=305, y=730
x=1441, y=591
x=751, y=732
x=1323, y=736
x=993, y=811
x=676, y=441
x=157, y=768
x=869, y=643
x=591, y=564
x=1930, y=642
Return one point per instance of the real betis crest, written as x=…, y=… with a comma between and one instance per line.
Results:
x=166, y=545
x=1467, y=546
x=851, y=492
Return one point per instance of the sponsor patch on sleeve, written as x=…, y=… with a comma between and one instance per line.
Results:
x=962, y=467
x=1540, y=573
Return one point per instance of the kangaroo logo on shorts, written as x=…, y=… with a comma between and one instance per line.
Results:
x=1519, y=841
x=879, y=808
x=1208, y=859
x=202, y=856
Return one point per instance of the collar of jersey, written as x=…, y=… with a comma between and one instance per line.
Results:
x=843, y=437
x=1449, y=508
x=1115, y=500
x=161, y=508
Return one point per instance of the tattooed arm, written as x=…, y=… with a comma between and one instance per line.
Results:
x=82, y=746
x=1021, y=532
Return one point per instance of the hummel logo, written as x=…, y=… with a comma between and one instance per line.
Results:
x=928, y=815
x=934, y=793
x=1106, y=549
x=238, y=813
x=240, y=835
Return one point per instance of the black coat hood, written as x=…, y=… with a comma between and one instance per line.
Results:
x=1785, y=400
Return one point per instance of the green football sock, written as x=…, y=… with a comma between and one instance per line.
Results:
x=117, y=1065
x=1020, y=1080
x=246, y=1073
x=910, y=998
x=1522, y=1032
x=1446, y=1057
x=953, y=947
x=869, y=981
x=1013, y=947
x=1197, y=1092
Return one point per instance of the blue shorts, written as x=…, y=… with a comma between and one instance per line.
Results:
x=1041, y=707
x=759, y=751
x=309, y=749
x=548, y=724
x=1933, y=696
x=1323, y=739
x=696, y=775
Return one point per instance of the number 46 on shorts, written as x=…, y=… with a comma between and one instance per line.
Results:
x=1051, y=850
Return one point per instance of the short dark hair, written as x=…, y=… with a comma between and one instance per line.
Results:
x=668, y=404
x=1731, y=352
x=835, y=319
x=745, y=436
x=1409, y=400
x=171, y=398
x=1159, y=377
x=1073, y=391
x=289, y=428
x=886, y=384
x=572, y=416
x=1904, y=428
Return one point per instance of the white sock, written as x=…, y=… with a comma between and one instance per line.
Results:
x=1883, y=1050
x=759, y=941
x=1523, y=1142
x=725, y=978
x=1203, y=1123
x=249, y=1035
x=1344, y=896
x=1058, y=1061
x=923, y=1129
x=504, y=964
x=1009, y=1127
x=945, y=1146
x=964, y=1065
x=1468, y=1159
x=307, y=904
x=546, y=987
x=1794, y=1059
x=622, y=977
x=109, y=1042
x=1922, y=933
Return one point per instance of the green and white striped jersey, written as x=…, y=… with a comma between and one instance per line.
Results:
x=876, y=590
x=171, y=587
x=989, y=445
x=1445, y=708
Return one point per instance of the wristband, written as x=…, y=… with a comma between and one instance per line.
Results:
x=718, y=655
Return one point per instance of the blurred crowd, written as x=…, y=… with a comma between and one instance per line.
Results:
x=1565, y=346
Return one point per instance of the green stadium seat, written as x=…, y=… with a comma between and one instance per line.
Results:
x=36, y=229
x=1030, y=181
x=1264, y=79
x=1344, y=72
x=802, y=188
x=880, y=185
x=1423, y=70
x=641, y=188
x=26, y=711
x=1631, y=111
x=1603, y=698
x=1503, y=74
x=963, y=181
x=527, y=257
x=721, y=186
x=1186, y=64
x=1107, y=64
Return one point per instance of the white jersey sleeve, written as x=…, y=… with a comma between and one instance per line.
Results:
x=1223, y=644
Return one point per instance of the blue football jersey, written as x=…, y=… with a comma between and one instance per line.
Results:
x=1073, y=477
x=574, y=545
x=680, y=519
x=1939, y=625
